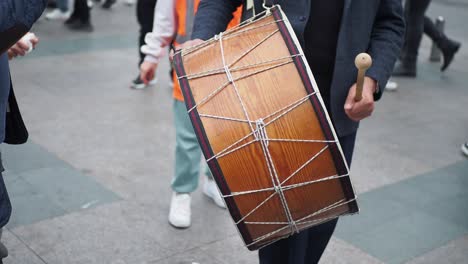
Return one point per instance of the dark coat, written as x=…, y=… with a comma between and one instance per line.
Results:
x=373, y=26
x=16, y=18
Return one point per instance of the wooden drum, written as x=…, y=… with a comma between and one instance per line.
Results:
x=264, y=130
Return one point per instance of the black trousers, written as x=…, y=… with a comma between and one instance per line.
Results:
x=306, y=247
x=145, y=16
x=432, y=31
x=81, y=11
x=415, y=25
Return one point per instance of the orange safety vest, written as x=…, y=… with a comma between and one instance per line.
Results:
x=185, y=15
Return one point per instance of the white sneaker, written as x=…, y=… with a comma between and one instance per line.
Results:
x=391, y=86
x=57, y=14
x=180, y=212
x=464, y=149
x=211, y=190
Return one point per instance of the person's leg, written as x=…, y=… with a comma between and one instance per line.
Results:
x=62, y=5
x=211, y=190
x=447, y=46
x=188, y=153
x=74, y=14
x=60, y=13
x=320, y=236
x=187, y=166
x=145, y=17
x=108, y=4
x=80, y=10
x=309, y=245
x=415, y=27
x=291, y=250
x=5, y=210
x=85, y=11
x=414, y=16
x=3, y=249
x=80, y=19
x=431, y=30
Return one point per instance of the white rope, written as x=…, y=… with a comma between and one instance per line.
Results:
x=231, y=80
x=305, y=164
x=287, y=187
x=204, y=100
x=302, y=221
x=224, y=118
x=287, y=108
x=259, y=132
x=277, y=185
x=236, y=69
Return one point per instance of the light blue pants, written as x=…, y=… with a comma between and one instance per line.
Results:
x=188, y=153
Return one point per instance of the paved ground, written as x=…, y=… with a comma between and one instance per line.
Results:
x=92, y=184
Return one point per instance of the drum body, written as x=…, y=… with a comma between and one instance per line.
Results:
x=264, y=130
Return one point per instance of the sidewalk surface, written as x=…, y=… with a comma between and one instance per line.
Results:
x=92, y=184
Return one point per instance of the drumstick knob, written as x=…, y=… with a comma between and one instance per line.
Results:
x=363, y=62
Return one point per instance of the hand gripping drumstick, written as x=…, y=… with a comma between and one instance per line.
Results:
x=363, y=62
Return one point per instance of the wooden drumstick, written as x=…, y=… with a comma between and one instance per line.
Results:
x=363, y=62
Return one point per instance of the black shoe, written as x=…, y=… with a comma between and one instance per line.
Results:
x=404, y=69
x=3, y=252
x=108, y=3
x=448, y=48
x=79, y=25
x=71, y=20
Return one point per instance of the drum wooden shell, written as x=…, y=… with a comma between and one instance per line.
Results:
x=264, y=130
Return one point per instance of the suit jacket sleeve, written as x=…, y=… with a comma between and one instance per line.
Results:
x=16, y=18
x=386, y=41
x=212, y=17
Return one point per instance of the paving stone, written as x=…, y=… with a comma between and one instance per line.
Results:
x=407, y=237
x=21, y=158
x=105, y=234
x=232, y=251
x=18, y=252
x=68, y=188
x=341, y=252
x=81, y=111
x=455, y=252
x=195, y=256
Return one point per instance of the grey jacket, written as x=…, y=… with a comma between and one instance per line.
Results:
x=373, y=26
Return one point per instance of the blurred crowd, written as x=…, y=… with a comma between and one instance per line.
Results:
x=158, y=32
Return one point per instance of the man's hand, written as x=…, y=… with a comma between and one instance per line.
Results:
x=22, y=47
x=359, y=110
x=148, y=71
x=185, y=45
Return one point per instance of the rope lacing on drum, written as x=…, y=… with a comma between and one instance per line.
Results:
x=258, y=133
